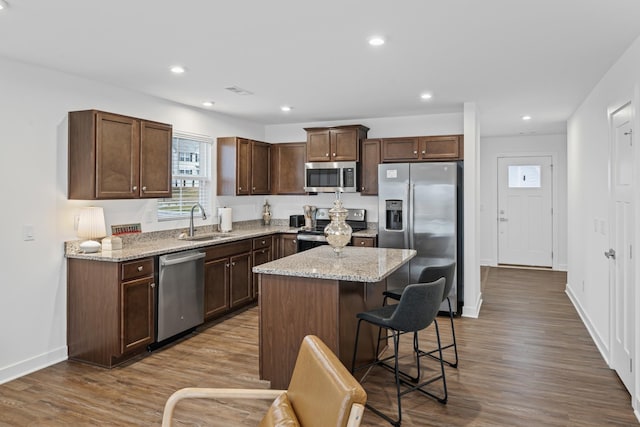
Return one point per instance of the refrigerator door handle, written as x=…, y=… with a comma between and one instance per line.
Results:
x=411, y=188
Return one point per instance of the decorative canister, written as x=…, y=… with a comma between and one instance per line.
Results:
x=266, y=213
x=338, y=232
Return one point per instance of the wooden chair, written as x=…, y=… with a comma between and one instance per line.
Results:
x=322, y=393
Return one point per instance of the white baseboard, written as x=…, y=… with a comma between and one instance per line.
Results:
x=603, y=348
x=472, y=311
x=36, y=363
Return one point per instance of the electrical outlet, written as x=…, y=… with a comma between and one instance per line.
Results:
x=28, y=232
x=76, y=221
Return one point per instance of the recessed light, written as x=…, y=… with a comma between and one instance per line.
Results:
x=208, y=103
x=526, y=117
x=286, y=108
x=177, y=69
x=3, y=4
x=426, y=95
x=376, y=41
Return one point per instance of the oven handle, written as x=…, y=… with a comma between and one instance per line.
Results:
x=312, y=237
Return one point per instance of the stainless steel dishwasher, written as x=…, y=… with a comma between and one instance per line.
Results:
x=180, y=293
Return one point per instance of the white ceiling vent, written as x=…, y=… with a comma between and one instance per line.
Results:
x=238, y=90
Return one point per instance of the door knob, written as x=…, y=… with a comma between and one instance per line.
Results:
x=610, y=254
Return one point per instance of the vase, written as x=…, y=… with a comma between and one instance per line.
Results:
x=338, y=232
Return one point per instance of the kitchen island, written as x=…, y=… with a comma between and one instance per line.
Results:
x=316, y=292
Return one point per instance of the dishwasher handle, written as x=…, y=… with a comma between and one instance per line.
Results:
x=181, y=258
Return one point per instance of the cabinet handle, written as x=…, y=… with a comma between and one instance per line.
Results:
x=227, y=265
x=334, y=154
x=239, y=188
x=233, y=263
x=254, y=188
x=135, y=188
x=295, y=241
x=140, y=268
x=153, y=285
x=326, y=154
x=362, y=243
x=415, y=152
x=263, y=242
x=363, y=188
x=144, y=188
x=424, y=151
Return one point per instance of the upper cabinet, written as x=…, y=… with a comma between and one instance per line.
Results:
x=243, y=166
x=287, y=168
x=335, y=144
x=369, y=167
x=420, y=148
x=118, y=157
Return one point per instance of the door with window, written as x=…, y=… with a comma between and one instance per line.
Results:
x=525, y=215
x=620, y=253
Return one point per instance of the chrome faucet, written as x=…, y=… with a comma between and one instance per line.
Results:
x=204, y=216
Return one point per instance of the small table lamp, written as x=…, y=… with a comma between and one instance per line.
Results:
x=91, y=226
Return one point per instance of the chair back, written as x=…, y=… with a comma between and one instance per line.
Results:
x=433, y=273
x=322, y=391
x=418, y=306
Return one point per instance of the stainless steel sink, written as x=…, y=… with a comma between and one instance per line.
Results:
x=204, y=237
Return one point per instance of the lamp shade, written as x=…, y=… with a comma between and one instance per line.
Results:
x=91, y=224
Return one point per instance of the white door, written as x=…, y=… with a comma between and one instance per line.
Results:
x=525, y=211
x=621, y=269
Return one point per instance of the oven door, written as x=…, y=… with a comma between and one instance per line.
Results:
x=309, y=241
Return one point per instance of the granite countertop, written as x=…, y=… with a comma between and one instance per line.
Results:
x=164, y=242
x=355, y=264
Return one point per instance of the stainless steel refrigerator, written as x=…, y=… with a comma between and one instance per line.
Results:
x=420, y=207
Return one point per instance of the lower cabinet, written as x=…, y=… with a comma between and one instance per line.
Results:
x=227, y=278
x=288, y=245
x=364, y=242
x=110, y=310
x=262, y=252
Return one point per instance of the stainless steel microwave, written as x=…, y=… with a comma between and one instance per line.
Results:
x=329, y=177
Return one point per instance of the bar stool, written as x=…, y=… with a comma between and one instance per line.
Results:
x=430, y=274
x=416, y=310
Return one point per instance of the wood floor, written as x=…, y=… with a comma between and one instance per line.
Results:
x=527, y=361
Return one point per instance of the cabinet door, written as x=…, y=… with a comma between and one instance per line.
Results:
x=399, y=149
x=344, y=145
x=288, y=244
x=287, y=168
x=216, y=288
x=439, y=147
x=370, y=161
x=155, y=160
x=240, y=279
x=260, y=256
x=318, y=146
x=243, y=166
x=136, y=314
x=260, y=168
x=117, y=156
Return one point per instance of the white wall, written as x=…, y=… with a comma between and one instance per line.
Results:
x=33, y=108
x=588, y=200
x=530, y=145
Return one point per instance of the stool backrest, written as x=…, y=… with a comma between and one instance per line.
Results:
x=433, y=273
x=418, y=306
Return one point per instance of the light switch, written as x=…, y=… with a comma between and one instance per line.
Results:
x=27, y=232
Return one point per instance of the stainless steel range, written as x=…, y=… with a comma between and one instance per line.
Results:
x=310, y=238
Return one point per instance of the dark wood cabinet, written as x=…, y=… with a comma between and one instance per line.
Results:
x=262, y=253
x=422, y=148
x=364, y=242
x=287, y=168
x=335, y=144
x=110, y=310
x=369, y=167
x=244, y=166
x=288, y=245
x=118, y=157
x=228, y=277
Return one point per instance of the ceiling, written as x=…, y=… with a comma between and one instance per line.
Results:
x=512, y=58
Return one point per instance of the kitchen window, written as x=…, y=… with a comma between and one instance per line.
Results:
x=190, y=177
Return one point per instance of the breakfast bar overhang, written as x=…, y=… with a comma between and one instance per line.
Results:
x=316, y=292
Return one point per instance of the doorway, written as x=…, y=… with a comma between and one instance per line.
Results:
x=525, y=211
x=621, y=270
